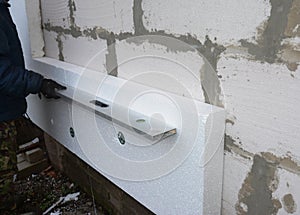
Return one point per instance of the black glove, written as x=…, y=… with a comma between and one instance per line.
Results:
x=49, y=88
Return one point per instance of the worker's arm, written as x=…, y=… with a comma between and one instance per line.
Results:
x=16, y=81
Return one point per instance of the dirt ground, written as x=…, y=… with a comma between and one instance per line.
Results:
x=39, y=192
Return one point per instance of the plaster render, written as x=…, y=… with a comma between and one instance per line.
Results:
x=233, y=162
x=114, y=16
x=271, y=113
x=94, y=52
x=288, y=184
x=154, y=66
x=269, y=41
x=51, y=50
x=55, y=12
x=36, y=34
x=227, y=21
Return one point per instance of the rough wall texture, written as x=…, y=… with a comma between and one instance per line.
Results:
x=254, y=47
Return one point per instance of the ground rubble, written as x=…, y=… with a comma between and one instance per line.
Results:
x=41, y=191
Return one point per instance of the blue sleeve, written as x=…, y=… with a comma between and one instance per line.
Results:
x=14, y=80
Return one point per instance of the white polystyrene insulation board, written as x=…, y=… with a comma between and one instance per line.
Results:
x=168, y=163
x=96, y=143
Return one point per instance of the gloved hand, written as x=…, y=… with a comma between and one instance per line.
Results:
x=49, y=88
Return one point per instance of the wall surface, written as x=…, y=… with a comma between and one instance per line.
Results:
x=254, y=48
